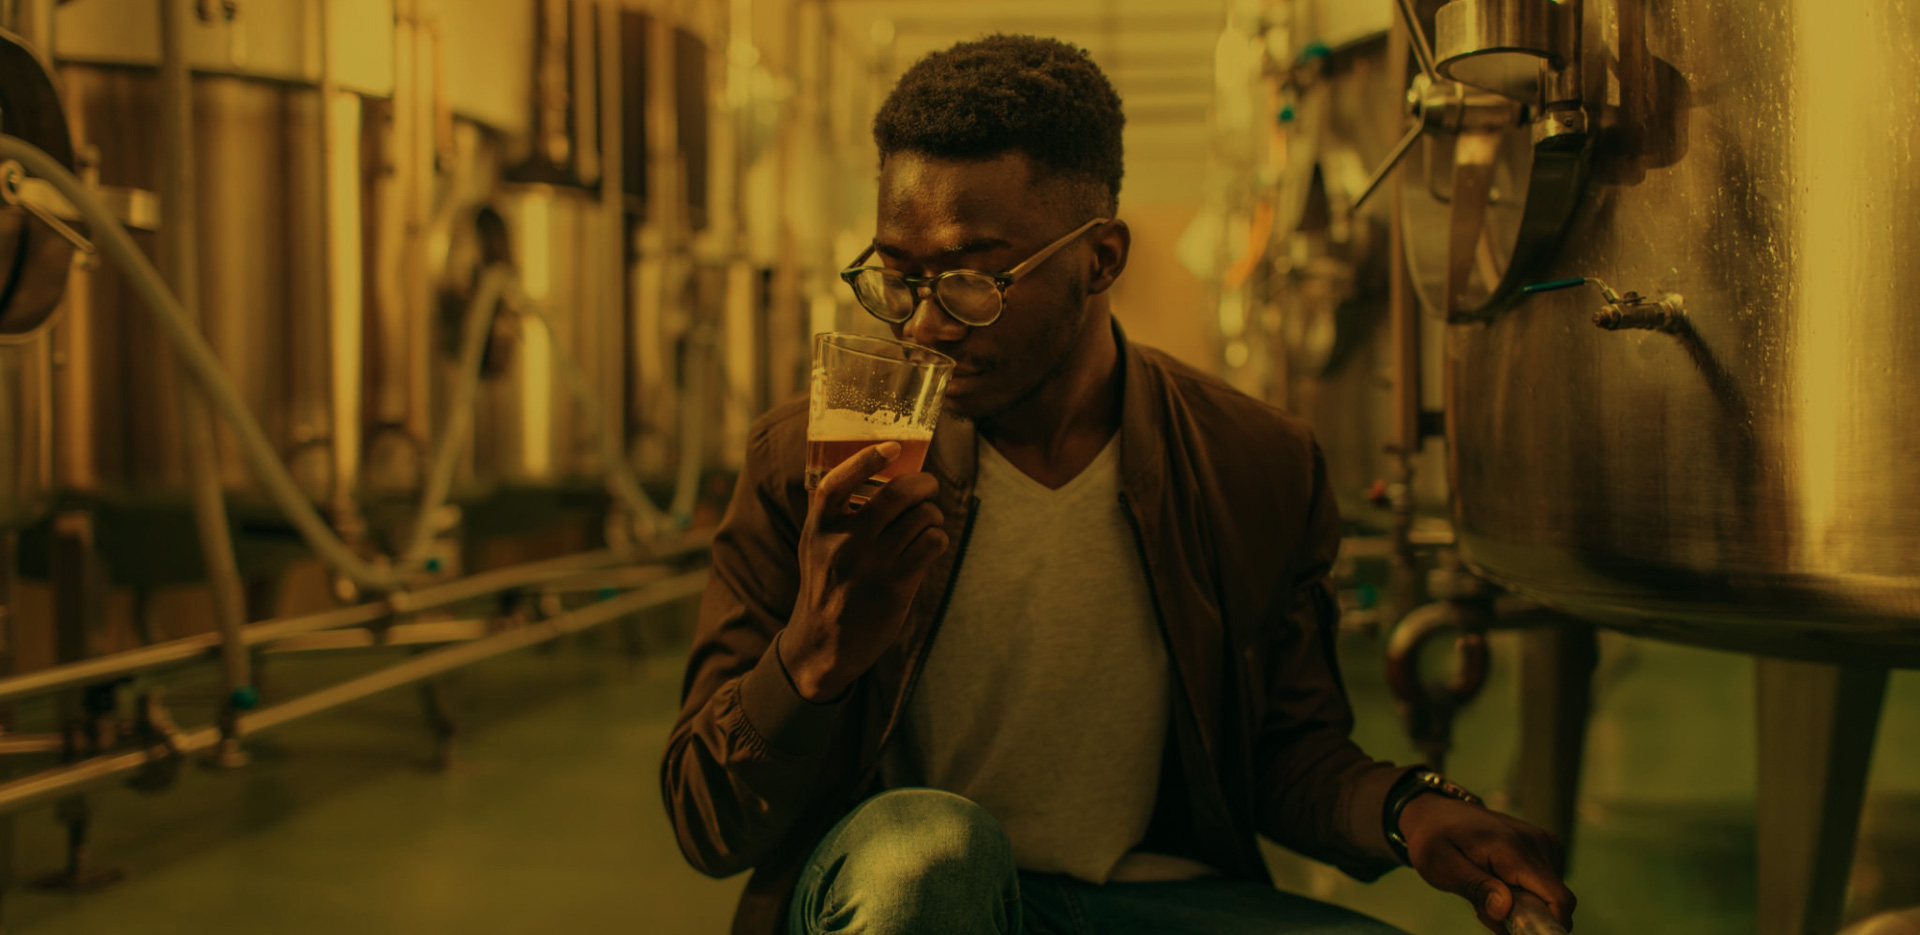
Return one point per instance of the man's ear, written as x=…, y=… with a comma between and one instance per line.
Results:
x=1112, y=242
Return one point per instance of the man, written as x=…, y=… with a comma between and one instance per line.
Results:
x=1059, y=680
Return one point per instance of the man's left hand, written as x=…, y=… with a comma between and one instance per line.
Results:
x=1481, y=855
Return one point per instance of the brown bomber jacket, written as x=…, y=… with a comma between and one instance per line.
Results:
x=1237, y=532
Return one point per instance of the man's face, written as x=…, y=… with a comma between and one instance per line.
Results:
x=938, y=215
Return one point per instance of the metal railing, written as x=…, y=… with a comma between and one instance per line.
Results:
x=657, y=584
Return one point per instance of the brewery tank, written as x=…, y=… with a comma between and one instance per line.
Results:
x=342, y=170
x=33, y=287
x=1737, y=479
x=543, y=184
x=280, y=116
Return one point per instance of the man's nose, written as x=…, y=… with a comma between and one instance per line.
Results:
x=931, y=325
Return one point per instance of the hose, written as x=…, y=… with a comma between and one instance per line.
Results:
x=180, y=201
x=280, y=487
x=620, y=476
x=260, y=455
x=475, y=328
x=693, y=425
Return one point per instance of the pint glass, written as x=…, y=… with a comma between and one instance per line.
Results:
x=868, y=390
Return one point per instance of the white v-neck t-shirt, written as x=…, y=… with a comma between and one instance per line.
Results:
x=1045, y=696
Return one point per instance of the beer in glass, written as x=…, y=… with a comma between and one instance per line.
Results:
x=868, y=390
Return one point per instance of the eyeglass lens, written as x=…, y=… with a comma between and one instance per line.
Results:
x=970, y=297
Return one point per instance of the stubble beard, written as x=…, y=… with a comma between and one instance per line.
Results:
x=1061, y=339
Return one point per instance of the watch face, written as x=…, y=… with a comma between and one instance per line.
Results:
x=1449, y=788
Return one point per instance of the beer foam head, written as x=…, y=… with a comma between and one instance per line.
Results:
x=852, y=424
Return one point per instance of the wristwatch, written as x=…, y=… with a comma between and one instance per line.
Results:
x=1418, y=782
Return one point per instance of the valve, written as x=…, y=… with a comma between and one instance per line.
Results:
x=1501, y=65
x=1666, y=314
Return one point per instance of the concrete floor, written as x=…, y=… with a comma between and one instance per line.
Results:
x=550, y=819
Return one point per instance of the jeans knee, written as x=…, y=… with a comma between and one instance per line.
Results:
x=929, y=835
x=911, y=861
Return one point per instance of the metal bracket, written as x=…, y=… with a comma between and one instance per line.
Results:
x=41, y=200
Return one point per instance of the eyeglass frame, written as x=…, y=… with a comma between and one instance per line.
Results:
x=932, y=283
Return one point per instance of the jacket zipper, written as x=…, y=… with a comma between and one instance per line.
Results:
x=926, y=645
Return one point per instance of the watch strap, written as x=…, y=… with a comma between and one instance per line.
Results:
x=1415, y=783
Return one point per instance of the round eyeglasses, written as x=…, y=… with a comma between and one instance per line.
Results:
x=972, y=297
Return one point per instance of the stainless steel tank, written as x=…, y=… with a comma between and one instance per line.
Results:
x=31, y=289
x=282, y=205
x=533, y=430
x=264, y=299
x=1741, y=480
x=528, y=162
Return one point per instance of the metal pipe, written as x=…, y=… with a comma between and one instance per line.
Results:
x=583, y=98
x=1530, y=916
x=1403, y=590
x=341, y=282
x=475, y=328
x=62, y=780
x=1417, y=41
x=31, y=790
x=180, y=192
x=430, y=664
x=612, y=422
x=187, y=649
x=396, y=634
x=616, y=579
x=490, y=582
x=26, y=744
x=32, y=21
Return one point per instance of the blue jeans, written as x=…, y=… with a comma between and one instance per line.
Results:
x=926, y=862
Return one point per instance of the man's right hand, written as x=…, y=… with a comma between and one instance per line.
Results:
x=859, y=570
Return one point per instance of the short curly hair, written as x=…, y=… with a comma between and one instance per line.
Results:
x=1003, y=93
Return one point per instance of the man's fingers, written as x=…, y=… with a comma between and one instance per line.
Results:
x=1551, y=849
x=924, y=548
x=1455, y=872
x=1536, y=873
x=1491, y=897
x=899, y=498
x=838, y=486
x=900, y=534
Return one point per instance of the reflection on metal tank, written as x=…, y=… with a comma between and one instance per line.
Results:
x=281, y=200
x=531, y=428
x=1748, y=479
x=527, y=190
x=264, y=294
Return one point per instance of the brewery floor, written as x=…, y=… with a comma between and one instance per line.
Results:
x=549, y=819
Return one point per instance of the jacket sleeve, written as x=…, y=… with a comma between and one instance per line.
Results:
x=1319, y=793
x=747, y=751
